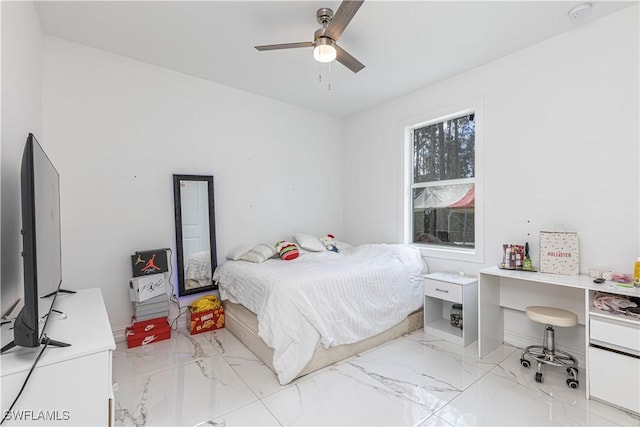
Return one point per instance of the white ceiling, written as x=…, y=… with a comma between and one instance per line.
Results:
x=404, y=45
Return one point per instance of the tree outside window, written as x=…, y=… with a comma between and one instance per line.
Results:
x=443, y=182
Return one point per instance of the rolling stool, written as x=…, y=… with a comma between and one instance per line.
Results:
x=547, y=353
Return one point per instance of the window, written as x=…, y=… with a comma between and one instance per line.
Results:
x=442, y=187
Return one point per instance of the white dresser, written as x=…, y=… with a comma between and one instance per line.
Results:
x=614, y=358
x=70, y=386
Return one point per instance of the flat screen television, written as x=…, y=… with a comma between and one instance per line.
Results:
x=41, y=247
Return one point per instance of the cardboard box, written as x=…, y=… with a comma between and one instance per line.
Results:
x=147, y=332
x=150, y=316
x=144, y=326
x=142, y=308
x=208, y=320
x=149, y=262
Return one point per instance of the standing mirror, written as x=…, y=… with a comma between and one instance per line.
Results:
x=195, y=233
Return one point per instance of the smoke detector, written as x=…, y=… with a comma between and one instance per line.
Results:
x=580, y=11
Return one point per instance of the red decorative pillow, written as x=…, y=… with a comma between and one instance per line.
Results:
x=287, y=250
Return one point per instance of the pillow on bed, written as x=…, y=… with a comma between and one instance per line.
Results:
x=287, y=250
x=309, y=242
x=235, y=254
x=259, y=253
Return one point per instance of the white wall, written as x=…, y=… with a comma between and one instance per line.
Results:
x=21, y=114
x=560, y=147
x=118, y=129
x=562, y=116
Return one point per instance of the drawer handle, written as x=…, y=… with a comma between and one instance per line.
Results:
x=442, y=290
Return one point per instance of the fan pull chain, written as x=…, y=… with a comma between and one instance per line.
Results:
x=320, y=75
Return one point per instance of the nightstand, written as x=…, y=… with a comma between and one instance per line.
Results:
x=441, y=291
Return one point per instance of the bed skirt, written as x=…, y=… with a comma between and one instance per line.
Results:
x=243, y=324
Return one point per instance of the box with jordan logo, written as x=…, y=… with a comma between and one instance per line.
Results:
x=144, y=263
x=144, y=288
x=147, y=332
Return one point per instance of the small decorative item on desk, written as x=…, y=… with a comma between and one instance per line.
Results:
x=606, y=274
x=513, y=257
x=528, y=265
x=636, y=273
x=559, y=252
x=206, y=314
x=623, y=280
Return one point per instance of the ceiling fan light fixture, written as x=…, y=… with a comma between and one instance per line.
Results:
x=324, y=44
x=324, y=51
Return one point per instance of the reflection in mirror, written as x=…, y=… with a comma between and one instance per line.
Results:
x=195, y=233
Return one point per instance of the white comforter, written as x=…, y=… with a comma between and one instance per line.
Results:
x=325, y=298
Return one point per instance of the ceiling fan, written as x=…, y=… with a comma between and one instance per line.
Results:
x=324, y=41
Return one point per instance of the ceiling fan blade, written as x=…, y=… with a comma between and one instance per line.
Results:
x=342, y=17
x=343, y=57
x=284, y=46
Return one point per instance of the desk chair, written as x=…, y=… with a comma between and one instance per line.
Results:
x=547, y=352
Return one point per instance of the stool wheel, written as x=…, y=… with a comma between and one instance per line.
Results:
x=573, y=372
x=539, y=377
x=525, y=363
x=572, y=383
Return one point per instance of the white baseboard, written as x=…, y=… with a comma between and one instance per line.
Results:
x=522, y=341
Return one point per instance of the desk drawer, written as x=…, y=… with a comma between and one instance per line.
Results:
x=443, y=290
x=625, y=335
x=613, y=377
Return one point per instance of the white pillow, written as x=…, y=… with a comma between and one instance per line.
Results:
x=238, y=252
x=259, y=253
x=309, y=242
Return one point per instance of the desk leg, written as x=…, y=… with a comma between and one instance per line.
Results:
x=490, y=319
x=587, y=341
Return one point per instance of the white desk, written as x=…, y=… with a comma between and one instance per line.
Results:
x=75, y=379
x=499, y=288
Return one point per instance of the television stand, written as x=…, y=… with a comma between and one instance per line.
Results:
x=59, y=291
x=89, y=397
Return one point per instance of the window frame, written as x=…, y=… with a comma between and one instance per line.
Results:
x=476, y=254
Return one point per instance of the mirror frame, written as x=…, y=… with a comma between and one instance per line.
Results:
x=212, y=232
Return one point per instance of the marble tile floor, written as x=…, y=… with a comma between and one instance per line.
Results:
x=416, y=380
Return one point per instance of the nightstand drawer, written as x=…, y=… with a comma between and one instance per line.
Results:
x=443, y=290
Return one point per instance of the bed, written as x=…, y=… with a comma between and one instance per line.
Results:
x=300, y=315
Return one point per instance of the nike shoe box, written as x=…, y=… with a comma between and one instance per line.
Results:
x=142, y=333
